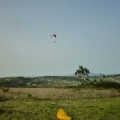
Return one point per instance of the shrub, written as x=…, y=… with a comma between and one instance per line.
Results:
x=115, y=85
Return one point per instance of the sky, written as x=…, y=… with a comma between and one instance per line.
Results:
x=88, y=34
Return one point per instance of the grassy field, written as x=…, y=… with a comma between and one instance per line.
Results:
x=43, y=103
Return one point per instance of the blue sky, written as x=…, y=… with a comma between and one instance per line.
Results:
x=88, y=34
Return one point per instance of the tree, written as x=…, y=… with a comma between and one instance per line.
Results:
x=86, y=71
x=82, y=73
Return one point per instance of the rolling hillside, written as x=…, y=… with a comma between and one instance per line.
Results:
x=52, y=81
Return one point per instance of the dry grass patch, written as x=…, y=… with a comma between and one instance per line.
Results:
x=57, y=93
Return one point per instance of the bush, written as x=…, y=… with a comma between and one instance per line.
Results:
x=115, y=85
x=5, y=89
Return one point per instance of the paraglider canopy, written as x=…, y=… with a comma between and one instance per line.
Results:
x=54, y=35
x=62, y=115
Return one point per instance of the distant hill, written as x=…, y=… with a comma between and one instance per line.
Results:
x=94, y=74
x=38, y=81
x=51, y=81
x=91, y=74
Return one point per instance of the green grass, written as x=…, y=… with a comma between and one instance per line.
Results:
x=43, y=103
x=83, y=109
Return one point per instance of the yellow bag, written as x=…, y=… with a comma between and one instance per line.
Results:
x=62, y=115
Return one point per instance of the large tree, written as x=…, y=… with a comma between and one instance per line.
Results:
x=82, y=73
